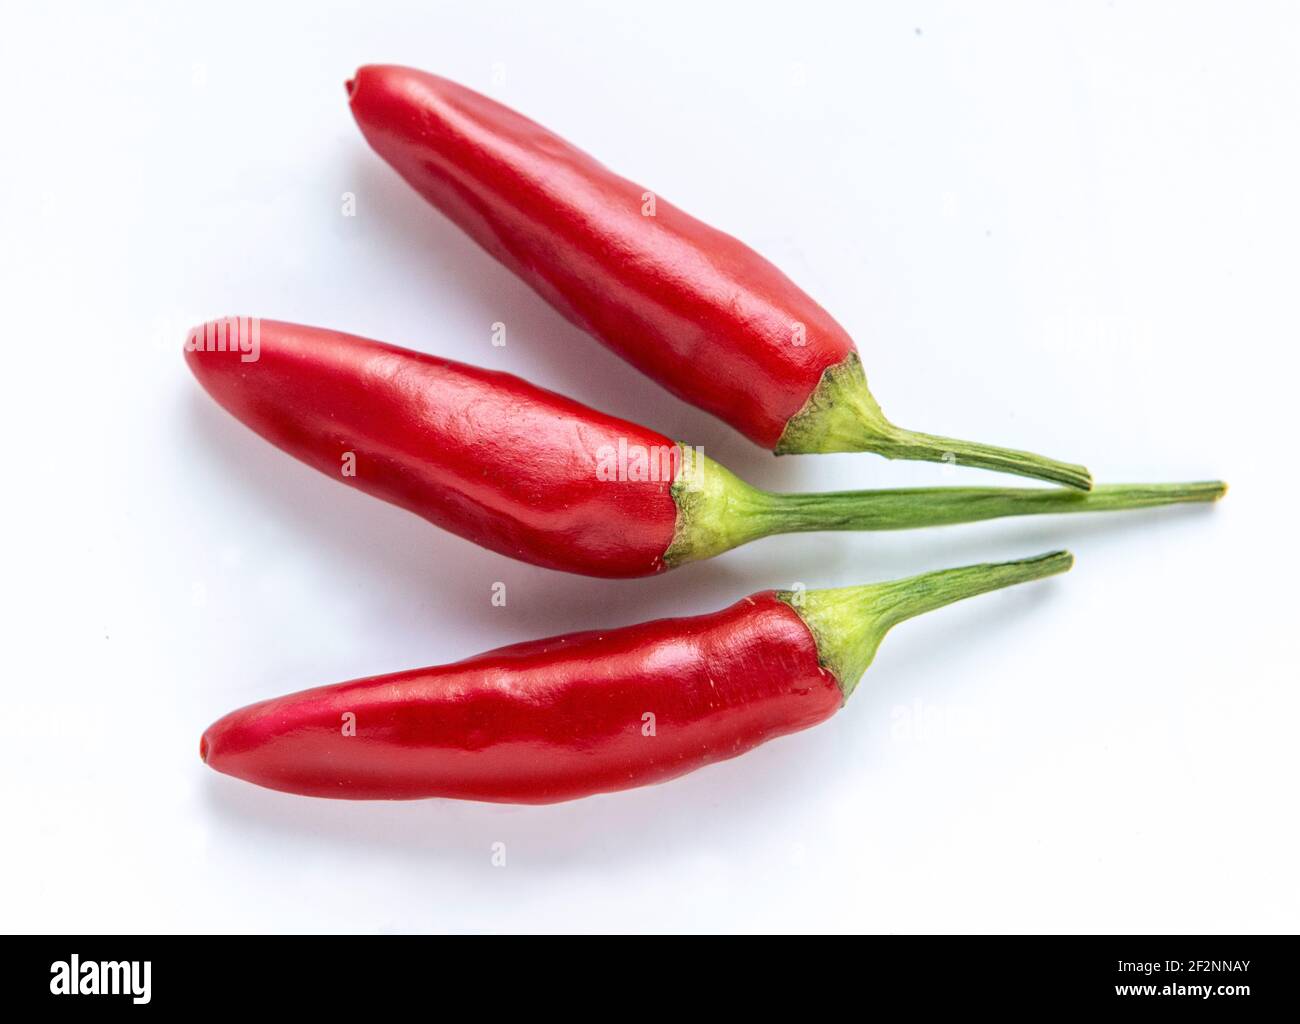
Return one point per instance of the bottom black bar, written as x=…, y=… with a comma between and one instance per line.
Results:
x=142, y=975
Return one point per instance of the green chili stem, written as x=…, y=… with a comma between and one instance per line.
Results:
x=718, y=511
x=907, y=508
x=841, y=415
x=900, y=600
x=848, y=623
x=897, y=443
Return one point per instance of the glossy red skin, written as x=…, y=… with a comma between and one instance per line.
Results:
x=694, y=308
x=485, y=455
x=543, y=721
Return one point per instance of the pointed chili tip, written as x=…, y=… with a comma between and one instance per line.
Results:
x=227, y=338
x=194, y=345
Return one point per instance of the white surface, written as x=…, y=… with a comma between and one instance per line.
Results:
x=1071, y=228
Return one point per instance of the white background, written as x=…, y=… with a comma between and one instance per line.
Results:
x=1069, y=227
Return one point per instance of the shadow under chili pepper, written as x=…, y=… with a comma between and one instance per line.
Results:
x=731, y=805
x=736, y=804
x=365, y=537
x=402, y=562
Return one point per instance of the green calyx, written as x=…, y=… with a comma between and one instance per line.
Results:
x=848, y=623
x=842, y=416
x=717, y=511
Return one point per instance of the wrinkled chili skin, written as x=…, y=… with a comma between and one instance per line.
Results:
x=690, y=306
x=485, y=455
x=543, y=721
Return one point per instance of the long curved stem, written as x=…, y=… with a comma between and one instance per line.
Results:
x=907, y=508
x=718, y=511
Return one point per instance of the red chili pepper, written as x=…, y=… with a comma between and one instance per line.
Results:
x=536, y=476
x=694, y=308
x=589, y=712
